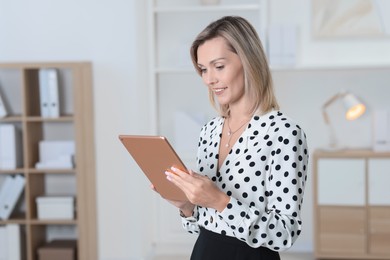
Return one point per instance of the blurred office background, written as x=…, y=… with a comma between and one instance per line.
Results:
x=115, y=36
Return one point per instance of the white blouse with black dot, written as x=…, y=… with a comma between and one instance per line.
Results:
x=264, y=174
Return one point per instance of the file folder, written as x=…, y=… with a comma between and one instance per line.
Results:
x=12, y=192
x=48, y=93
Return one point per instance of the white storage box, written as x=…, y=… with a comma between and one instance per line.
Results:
x=59, y=207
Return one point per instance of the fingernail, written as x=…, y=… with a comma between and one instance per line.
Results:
x=173, y=169
x=167, y=173
x=169, y=178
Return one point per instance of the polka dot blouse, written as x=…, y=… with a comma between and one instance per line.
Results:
x=264, y=174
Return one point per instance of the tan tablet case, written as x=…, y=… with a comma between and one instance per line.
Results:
x=154, y=155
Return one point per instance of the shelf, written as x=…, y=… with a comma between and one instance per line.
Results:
x=13, y=171
x=45, y=119
x=173, y=25
x=332, y=67
x=53, y=222
x=51, y=171
x=11, y=119
x=350, y=153
x=215, y=8
x=13, y=221
x=39, y=65
x=173, y=70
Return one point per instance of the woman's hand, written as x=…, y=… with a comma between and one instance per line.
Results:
x=199, y=189
x=185, y=206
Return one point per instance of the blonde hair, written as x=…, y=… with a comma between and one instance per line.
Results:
x=243, y=40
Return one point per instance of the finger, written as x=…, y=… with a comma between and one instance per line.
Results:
x=154, y=188
x=193, y=174
x=178, y=181
x=171, y=176
x=179, y=172
x=184, y=174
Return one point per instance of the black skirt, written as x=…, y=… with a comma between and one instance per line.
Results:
x=213, y=246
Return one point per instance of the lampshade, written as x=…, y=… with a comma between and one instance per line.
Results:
x=354, y=108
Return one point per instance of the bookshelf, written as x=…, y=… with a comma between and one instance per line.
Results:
x=176, y=91
x=19, y=86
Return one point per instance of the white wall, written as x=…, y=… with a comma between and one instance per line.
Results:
x=112, y=34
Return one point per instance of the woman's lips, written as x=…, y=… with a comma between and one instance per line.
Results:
x=219, y=91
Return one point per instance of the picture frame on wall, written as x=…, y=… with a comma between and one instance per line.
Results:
x=350, y=18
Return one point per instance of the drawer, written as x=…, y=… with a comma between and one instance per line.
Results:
x=379, y=244
x=342, y=230
x=342, y=244
x=342, y=220
x=379, y=220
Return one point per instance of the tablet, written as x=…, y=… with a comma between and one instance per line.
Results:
x=154, y=155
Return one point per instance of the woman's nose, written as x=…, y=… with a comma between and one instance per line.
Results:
x=211, y=78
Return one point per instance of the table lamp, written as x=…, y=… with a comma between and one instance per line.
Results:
x=354, y=108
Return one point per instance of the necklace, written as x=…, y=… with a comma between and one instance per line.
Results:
x=230, y=133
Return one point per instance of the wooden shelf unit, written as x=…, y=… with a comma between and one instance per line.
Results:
x=19, y=85
x=173, y=25
x=351, y=204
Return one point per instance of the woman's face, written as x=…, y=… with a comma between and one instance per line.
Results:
x=222, y=71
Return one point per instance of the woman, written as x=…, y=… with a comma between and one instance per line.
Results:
x=245, y=198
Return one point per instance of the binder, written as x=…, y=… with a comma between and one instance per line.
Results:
x=3, y=110
x=12, y=192
x=282, y=45
x=54, y=109
x=10, y=147
x=44, y=93
x=48, y=93
x=5, y=190
x=3, y=243
x=14, y=244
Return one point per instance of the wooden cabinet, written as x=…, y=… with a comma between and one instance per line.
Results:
x=351, y=204
x=19, y=86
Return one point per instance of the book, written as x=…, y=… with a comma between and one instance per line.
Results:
x=10, y=194
x=48, y=92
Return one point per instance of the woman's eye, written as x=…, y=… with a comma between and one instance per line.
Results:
x=220, y=67
x=202, y=71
